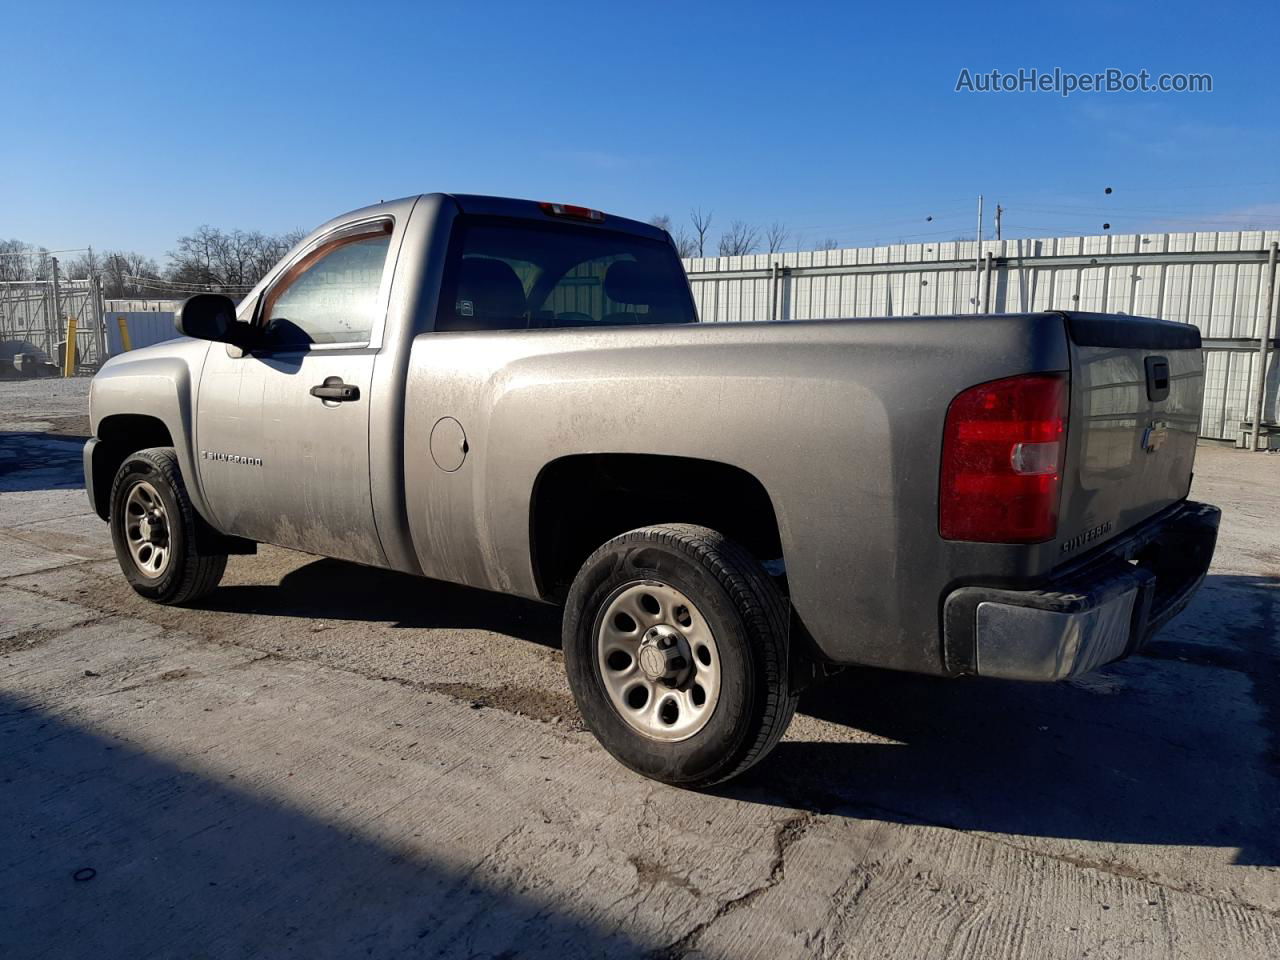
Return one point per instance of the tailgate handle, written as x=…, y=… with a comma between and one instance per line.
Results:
x=1157, y=378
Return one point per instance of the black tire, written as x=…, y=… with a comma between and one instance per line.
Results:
x=188, y=573
x=749, y=619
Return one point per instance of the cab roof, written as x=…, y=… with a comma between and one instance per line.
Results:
x=483, y=206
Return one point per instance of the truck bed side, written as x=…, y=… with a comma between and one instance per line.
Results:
x=839, y=421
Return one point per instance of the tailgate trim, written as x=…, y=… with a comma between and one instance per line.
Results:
x=1121, y=330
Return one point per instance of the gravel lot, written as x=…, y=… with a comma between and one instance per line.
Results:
x=325, y=760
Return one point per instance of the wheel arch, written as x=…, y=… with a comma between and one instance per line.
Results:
x=581, y=500
x=118, y=436
x=142, y=387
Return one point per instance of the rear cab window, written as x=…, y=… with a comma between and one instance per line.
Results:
x=516, y=274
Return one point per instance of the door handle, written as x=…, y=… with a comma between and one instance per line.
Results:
x=334, y=389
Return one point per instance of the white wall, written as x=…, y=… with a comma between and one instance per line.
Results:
x=1215, y=280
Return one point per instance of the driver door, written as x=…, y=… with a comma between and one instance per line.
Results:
x=282, y=430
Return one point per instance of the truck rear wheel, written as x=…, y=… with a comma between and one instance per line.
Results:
x=154, y=529
x=675, y=641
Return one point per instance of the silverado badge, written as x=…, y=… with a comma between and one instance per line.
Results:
x=231, y=458
x=1080, y=539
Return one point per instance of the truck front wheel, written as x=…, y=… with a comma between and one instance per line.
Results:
x=675, y=641
x=155, y=530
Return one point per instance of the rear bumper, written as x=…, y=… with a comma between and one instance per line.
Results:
x=1102, y=609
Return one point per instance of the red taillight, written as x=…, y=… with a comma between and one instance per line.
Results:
x=569, y=210
x=1002, y=454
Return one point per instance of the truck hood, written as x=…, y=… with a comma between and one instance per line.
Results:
x=182, y=348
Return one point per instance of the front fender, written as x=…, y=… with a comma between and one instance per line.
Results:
x=160, y=383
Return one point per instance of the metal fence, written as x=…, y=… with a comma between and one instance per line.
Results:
x=1216, y=281
x=151, y=305
x=35, y=316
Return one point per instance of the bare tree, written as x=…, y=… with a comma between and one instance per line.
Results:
x=23, y=261
x=701, y=225
x=13, y=257
x=775, y=237
x=206, y=257
x=685, y=244
x=126, y=274
x=82, y=267
x=200, y=257
x=14, y=260
x=829, y=244
x=236, y=259
x=741, y=238
x=272, y=249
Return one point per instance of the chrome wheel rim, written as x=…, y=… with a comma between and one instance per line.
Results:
x=658, y=660
x=146, y=530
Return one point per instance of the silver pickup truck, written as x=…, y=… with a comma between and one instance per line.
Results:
x=518, y=396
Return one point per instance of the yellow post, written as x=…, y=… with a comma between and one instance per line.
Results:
x=124, y=333
x=69, y=360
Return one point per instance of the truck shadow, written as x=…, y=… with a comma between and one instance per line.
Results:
x=1177, y=746
x=110, y=851
x=40, y=461
x=337, y=590
x=1172, y=747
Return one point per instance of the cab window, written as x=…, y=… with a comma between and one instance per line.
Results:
x=331, y=295
x=518, y=274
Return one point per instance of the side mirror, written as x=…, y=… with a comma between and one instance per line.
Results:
x=211, y=316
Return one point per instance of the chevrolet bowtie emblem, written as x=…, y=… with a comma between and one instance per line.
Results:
x=1155, y=435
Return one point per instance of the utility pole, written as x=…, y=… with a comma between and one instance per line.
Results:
x=1260, y=385
x=99, y=320
x=999, y=210
x=55, y=327
x=977, y=264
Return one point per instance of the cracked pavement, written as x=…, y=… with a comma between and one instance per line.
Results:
x=323, y=760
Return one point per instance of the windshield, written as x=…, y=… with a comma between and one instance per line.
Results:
x=517, y=274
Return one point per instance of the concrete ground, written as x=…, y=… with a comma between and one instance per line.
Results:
x=322, y=760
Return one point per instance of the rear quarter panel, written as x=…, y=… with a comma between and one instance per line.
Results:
x=840, y=421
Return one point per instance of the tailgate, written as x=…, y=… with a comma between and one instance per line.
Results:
x=1136, y=392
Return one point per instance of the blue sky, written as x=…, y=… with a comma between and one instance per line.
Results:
x=132, y=123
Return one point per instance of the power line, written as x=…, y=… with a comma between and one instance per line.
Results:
x=848, y=227
x=44, y=253
x=1151, y=215
x=1165, y=213
x=161, y=283
x=1170, y=187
